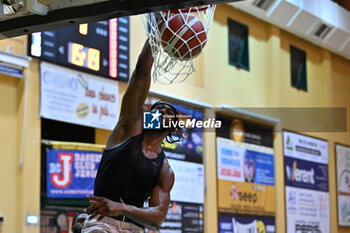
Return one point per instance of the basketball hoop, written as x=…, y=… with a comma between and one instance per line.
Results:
x=176, y=64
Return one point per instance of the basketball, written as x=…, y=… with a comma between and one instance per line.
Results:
x=183, y=36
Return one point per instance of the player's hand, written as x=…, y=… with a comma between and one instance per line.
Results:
x=104, y=207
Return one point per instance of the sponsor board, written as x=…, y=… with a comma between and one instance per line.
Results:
x=246, y=198
x=245, y=162
x=307, y=206
x=233, y=223
x=245, y=168
x=71, y=173
x=343, y=180
x=305, y=174
x=78, y=98
x=306, y=184
x=183, y=217
x=305, y=148
x=189, y=181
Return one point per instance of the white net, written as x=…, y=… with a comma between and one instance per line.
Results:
x=173, y=57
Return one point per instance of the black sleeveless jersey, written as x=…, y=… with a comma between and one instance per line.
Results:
x=125, y=174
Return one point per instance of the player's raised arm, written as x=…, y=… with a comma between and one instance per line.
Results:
x=138, y=88
x=130, y=118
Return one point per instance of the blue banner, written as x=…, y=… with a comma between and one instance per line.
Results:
x=71, y=173
x=12, y=71
x=263, y=166
x=304, y=174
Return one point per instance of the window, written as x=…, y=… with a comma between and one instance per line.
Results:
x=298, y=68
x=61, y=131
x=238, y=44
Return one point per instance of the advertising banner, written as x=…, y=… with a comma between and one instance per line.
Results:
x=183, y=217
x=307, y=210
x=305, y=148
x=56, y=220
x=71, y=173
x=246, y=198
x=304, y=174
x=189, y=181
x=343, y=181
x=245, y=168
x=233, y=223
x=306, y=180
x=245, y=162
x=71, y=96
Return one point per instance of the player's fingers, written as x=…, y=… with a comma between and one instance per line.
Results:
x=93, y=215
x=91, y=207
x=94, y=198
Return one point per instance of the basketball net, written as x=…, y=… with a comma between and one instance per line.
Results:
x=169, y=69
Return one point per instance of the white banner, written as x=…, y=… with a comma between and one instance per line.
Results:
x=343, y=178
x=306, y=183
x=189, y=181
x=78, y=98
x=307, y=210
x=304, y=147
x=229, y=160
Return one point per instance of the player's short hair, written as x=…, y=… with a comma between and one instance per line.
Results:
x=177, y=131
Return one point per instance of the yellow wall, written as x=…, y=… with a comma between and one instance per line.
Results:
x=19, y=172
x=267, y=84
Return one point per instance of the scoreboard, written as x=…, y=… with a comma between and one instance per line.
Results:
x=101, y=48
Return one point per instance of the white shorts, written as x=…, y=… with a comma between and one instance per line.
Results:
x=109, y=225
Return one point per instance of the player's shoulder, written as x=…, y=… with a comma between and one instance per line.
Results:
x=166, y=176
x=166, y=170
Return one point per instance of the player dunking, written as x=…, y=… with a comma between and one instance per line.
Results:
x=133, y=167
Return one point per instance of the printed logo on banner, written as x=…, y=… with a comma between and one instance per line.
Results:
x=151, y=120
x=300, y=175
x=289, y=144
x=236, y=223
x=70, y=173
x=301, y=227
x=61, y=172
x=305, y=174
x=292, y=198
x=344, y=182
x=234, y=192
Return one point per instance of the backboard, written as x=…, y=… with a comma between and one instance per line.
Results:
x=41, y=15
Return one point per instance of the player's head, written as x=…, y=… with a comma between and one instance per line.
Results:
x=78, y=222
x=169, y=114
